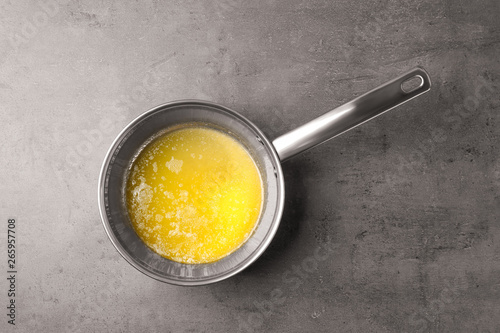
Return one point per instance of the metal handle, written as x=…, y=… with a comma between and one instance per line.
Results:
x=352, y=114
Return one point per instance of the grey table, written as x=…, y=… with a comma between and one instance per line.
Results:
x=408, y=204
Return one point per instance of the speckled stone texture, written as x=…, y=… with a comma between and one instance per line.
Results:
x=392, y=227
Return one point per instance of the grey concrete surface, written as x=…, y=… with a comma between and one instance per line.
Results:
x=408, y=204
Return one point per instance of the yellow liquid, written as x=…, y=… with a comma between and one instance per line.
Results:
x=194, y=195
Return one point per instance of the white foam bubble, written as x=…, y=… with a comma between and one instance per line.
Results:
x=174, y=165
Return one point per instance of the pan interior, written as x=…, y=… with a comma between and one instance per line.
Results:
x=138, y=134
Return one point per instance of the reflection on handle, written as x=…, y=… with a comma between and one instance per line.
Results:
x=354, y=113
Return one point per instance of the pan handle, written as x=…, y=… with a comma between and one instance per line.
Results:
x=353, y=113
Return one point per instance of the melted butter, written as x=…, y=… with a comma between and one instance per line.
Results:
x=194, y=195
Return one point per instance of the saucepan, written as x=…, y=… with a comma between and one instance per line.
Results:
x=267, y=154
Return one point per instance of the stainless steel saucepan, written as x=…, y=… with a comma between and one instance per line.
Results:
x=267, y=154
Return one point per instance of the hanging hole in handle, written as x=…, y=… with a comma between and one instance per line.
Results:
x=412, y=84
